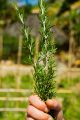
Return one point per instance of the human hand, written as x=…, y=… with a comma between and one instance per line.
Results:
x=39, y=110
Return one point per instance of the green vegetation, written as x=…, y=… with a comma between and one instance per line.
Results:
x=70, y=82
x=11, y=79
x=45, y=73
x=65, y=15
x=44, y=65
x=10, y=47
x=71, y=101
x=71, y=108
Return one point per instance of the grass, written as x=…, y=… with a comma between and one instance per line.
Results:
x=10, y=82
x=69, y=82
x=71, y=102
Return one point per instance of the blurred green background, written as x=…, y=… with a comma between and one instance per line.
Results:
x=15, y=68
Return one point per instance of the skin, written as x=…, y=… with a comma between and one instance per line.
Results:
x=39, y=110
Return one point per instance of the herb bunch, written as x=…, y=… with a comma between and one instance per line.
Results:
x=44, y=67
x=29, y=42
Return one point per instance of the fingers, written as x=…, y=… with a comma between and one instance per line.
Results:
x=38, y=103
x=36, y=114
x=53, y=104
x=29, y=118
x=60, y=115
x=37, y=109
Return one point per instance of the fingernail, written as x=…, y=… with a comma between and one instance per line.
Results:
x=46, y=109
x=50, y=118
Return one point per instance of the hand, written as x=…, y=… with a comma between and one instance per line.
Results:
x=39, y=110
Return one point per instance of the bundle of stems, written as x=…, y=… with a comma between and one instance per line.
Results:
x=44, y=67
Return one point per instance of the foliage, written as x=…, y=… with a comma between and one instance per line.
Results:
x=71, y=109
x=70, y=82
x=71, y=102
x=70, y=20
x=45, y=71
x=3, y=7
x=3, y=4
x=10, y=47
x=29, y=41
x=44, y=65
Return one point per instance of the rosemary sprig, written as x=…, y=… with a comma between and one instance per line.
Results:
x=29, y=41
x=44, y=68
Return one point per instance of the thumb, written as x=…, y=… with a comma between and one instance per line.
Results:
x=53, y=104
x=55, y=109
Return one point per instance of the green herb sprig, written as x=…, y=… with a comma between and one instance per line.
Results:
x=44, y=67
x=28, y=39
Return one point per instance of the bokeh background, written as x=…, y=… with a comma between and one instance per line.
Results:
x=16, y=81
